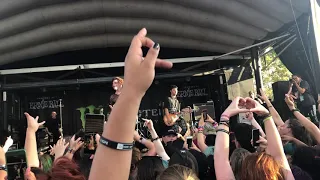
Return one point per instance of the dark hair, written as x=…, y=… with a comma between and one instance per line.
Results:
x=210, y=140
x=236, y=160
x=184, y=158
x=202, y=163
x=307, y=158
x=299, y=174
x=243, y=135
x=211, y=169
x=298, y=75
x=149, y=167
x=299, y=131
x=173, y=87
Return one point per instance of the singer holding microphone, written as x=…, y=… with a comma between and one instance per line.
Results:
x=300, y=90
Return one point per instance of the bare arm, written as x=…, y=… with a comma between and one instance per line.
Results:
x=166, y=111
x=221, y=152
x=274, y=113
x=312, y=128
x=3, y=174
x=159, y=147
x=200, y=136
x=31, y=141
x=147, y=143
x=138, y=74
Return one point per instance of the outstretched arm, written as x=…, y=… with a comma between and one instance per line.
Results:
x=138, y=74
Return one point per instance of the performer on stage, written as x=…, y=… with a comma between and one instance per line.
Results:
x=172, y=112
x=302, y=93
x=117, y=84
x=53, y=127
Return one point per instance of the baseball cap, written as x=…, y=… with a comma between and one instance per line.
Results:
x=170, y=132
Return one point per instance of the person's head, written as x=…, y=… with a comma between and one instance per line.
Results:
x=64, y=168
x=169, y=135
x=45, y=162
x=149, y=167
x=308, y=159
x=173, y=90
x=135, y=158
x=296, y=78
x=184, y=158
x=202, y=163
x=292, y=127
x=243, y=136
x=53, y=115
x=236, y=160
x=210, y=140
x=261, y=166
x=117, y=83
x=177, y=172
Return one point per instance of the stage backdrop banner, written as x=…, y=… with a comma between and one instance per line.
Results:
x=240, y=82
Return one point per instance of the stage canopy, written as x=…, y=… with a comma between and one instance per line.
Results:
x=42, y=33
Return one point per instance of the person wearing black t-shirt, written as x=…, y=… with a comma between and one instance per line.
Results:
x=117, y=84
x=52, y=125
x=305, y=101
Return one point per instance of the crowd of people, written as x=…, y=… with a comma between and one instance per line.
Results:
x=285, y=149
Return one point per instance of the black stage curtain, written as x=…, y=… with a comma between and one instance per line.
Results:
x=191, y=90
x=294, y=58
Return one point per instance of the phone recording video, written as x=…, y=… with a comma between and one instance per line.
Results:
x=90, y=144
x=16, y=164
x=189, y=141
x=255, y=137
x=205, y=114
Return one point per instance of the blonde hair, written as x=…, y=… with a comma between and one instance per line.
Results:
x=178, y=172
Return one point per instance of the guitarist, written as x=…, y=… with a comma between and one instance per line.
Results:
x=172, y=111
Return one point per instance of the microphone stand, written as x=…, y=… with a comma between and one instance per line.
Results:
x=61, y=127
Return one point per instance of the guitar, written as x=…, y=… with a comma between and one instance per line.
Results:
x=171, y=119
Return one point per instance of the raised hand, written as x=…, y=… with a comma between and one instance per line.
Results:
x=8, y=144
x=234, y=108
x=139, y=72
x=33, y=122
x=148, y=123
x=290, y=102
x=256, y=107
x=60, y=148
x=75, y=145
x=263, y=95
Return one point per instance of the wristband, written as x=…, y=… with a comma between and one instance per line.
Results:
x=224, y=123
x=3, y=168
x=267, y=119
x=223, y=130
x=200, y=127
x=155, y=139
x=295, y=110
x=70, y=150
x=226, y=116
x=115, y=145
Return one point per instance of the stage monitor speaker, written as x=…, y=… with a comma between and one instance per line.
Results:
x=94, y=123
x=281, y=88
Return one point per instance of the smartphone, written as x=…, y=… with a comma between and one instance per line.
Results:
x=90, y=144
x=255, y=137
x=16, y=164
x=189, y=141
x=205, y=114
